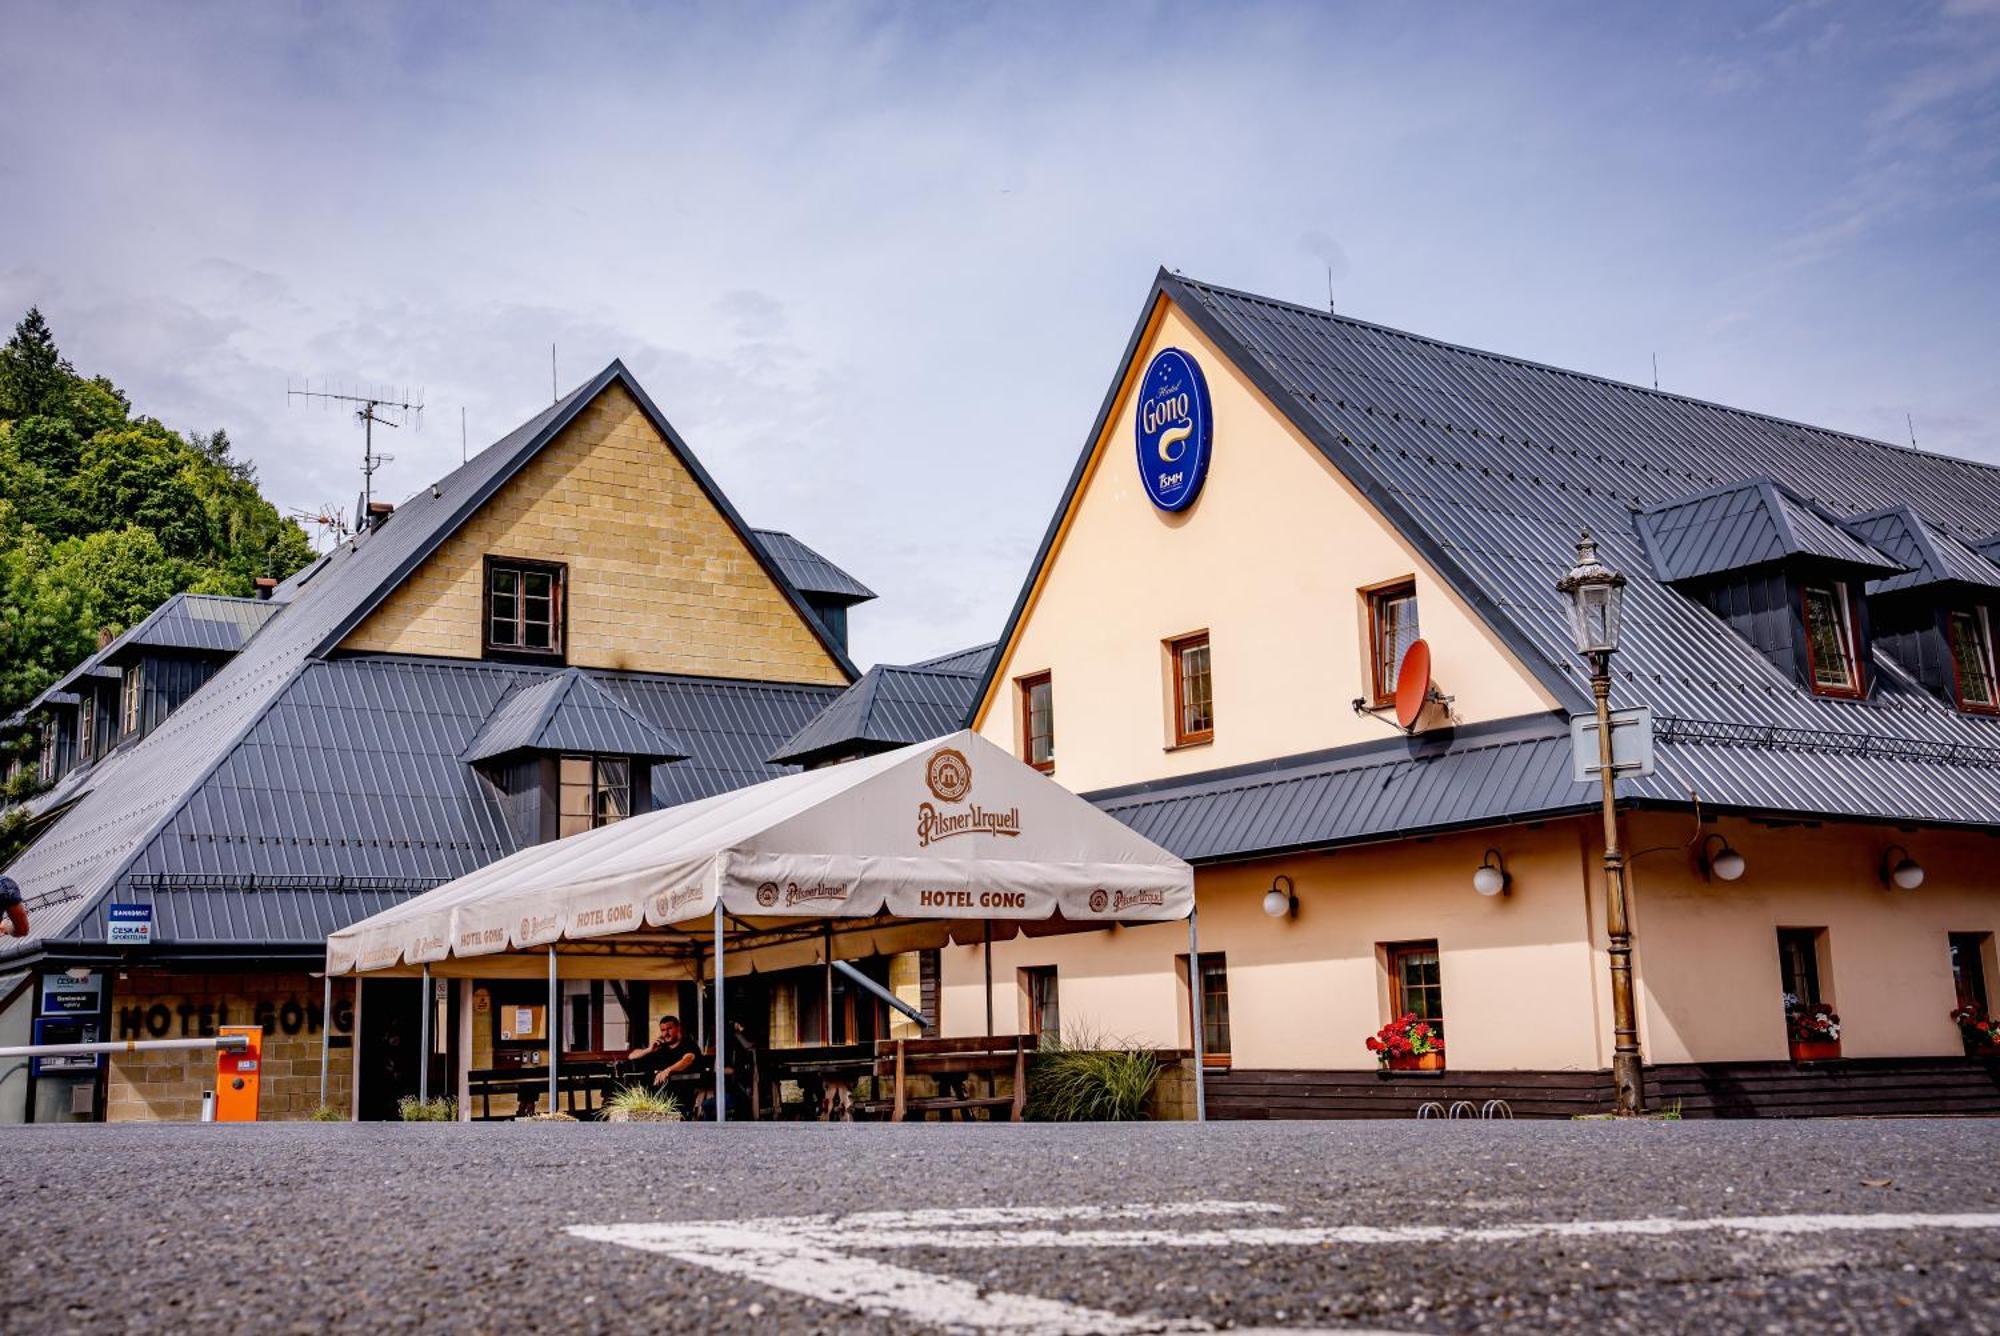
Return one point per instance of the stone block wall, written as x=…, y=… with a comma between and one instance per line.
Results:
x=167, y=1087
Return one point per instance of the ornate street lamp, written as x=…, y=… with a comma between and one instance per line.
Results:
x=1596, y=593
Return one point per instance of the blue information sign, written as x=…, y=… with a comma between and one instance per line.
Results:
x=1175, y=429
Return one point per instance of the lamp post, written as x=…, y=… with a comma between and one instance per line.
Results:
x=1595, y=594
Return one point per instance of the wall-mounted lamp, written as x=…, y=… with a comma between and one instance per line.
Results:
x=1725, y=864
x=1905, y=873
x=1282, y=900
x=1490, y=877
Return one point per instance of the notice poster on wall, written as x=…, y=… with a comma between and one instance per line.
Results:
x=67, y=994
x=521, y=1023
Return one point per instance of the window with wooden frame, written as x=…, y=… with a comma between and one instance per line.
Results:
x=1798, y=967
x=45, y=765
x=595, y=791
x=524, y=608
x=1415, y=986
x=1194, y=689
x=1038, y=986
x=1971, y=635
x=86, y=727
x=1968, y=968
x=1214, y=1004
x=1833, y=662
x=1392, y=629
x=1038, y=721
x=132, y=696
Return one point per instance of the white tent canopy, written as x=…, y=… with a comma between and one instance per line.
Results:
x=952, y=829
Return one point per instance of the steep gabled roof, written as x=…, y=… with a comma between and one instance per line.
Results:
x=70, y=867
x=810, y=572
x=1488, y=467
x=1744, y=524
x=569, y=713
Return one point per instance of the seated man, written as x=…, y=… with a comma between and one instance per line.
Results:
x=672, y=1058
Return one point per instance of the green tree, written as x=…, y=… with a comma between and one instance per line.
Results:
x=34, y=375
x=104, y=515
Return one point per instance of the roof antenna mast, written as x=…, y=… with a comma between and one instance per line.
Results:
x=1911, y=422
x=1656, y=371
x=1329, y=289
x=402, y=410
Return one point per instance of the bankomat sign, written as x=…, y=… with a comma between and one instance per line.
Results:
x=1175, y=429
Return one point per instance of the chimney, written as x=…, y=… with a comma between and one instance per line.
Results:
x=379, y=513
x=265, y=584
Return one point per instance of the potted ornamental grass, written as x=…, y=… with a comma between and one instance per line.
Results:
x=1813, y=1029
x=1408, y=1044
x=1980, y=1032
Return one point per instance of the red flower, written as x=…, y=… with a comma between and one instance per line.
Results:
x=1374, y=1044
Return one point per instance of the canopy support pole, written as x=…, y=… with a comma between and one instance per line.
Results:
x=325, y=1039
x=555, y=1016
x=826, y=1016
x=1194, y=1018
x=700, y=997
x=987, y=955
x=721, y=1027
x=427, y=1001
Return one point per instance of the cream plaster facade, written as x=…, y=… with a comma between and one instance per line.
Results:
x=1269, y=561
x=658, y=580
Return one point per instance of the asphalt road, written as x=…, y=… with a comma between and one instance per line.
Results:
x=1885, y=1226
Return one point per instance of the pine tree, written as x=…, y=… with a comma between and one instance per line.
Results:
x=34, y=375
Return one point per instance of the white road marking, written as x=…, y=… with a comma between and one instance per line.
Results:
x=823, y=1257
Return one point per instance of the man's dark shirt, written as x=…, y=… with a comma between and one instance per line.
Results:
x=666, y=1055
x=10, y=894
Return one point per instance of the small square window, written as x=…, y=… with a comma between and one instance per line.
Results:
x=1038, y=721
x=1832, y=661
x=1194, y=689
x=1392, y=629
x=1971, y=635
x=524, y=608
x=593, y=791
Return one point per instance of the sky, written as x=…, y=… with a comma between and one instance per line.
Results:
x=877, y=263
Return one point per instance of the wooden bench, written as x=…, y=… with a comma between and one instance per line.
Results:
x=991, y=1056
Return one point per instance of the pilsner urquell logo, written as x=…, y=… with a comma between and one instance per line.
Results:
x=933, y=825
x=949, y=774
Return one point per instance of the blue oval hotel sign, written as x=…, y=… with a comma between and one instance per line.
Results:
x=1175, y=429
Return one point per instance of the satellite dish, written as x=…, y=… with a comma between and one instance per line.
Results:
x=1413, y=684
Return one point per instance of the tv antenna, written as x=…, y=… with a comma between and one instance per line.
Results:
x=330, y=521
x=368, y=414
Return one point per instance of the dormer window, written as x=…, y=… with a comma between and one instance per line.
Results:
x=133, y=698
x=595, y=791
x=1832, y=660
x=1971, y=635
x=524, y=608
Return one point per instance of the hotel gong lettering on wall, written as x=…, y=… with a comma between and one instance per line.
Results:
x=1175, y=429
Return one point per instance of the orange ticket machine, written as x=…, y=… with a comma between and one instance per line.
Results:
x=237, y=1075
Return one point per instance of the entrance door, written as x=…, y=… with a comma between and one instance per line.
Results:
x=389, y=1041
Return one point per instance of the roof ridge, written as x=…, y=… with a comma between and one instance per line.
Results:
x=1203, y=286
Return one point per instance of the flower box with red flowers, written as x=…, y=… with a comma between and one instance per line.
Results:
x=1813, y=1029
x=1408, y=1044
x=1980, y=1032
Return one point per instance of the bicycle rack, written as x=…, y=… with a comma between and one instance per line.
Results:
x=1491, y=1110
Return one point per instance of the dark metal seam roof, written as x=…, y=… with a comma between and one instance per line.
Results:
x=890, y=706
x=810, y=571
x=129, y=808
x=1927, y=556
x=1745, y=524
x=569, y=712
x=1490, y=465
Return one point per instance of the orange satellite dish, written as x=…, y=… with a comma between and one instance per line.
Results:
x=1413, y=684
